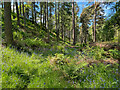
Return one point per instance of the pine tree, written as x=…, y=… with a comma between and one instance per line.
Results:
x=8, y=23
x=18, y=19
x=73, y=20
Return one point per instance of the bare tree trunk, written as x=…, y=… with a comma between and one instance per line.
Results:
x=69, y=33
x=2, y=5
x=23, y=7
x=32, y=13
x=23, y=13
x=95, y=24
x=20, y=8
x=92, y=33
x=64, y=31
x=82, y=34
x=50, y=17
x=8, y=23
x=73, y=19
x=56, y=14
x=86, y=36
x=18, y=19
x=62, y=24
x=41, y=12
x=43, y=19
x=48, y=23
x=58, y=24
x=56, y=18
x=45, y=14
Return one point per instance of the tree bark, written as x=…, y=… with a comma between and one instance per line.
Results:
x=50, y=18
x=69, y=33
x=41, y=6
x=2, y=4
x=73, y=20
x=56, y=15
x=45, y=14
x=32, y=13
x=62, y=23
x=92, y=33
x=13, y=11
x=50, y=12
x=48, y=23
x=18, y=19
x=23, y=8
x=58, y=24
x=8, y=23
x=95, y=24
x=24, y=13
x=20, y=8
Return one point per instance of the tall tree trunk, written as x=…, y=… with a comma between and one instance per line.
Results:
x=69, y=33
x=86, y=36
x=23, y=8
x=2, y=4
x=56, y=16
x=23, y=13
x=62, y=27
x=41, y=6
x=50, y=18
x=64, y=30
x=62, y=23
x=73, y=20
x=58, y=24
x=32, y=13
x=95, y=24
x=13, y=11
x=8, y=23
x=48, y=23
x=20, y=8
x=92, y=32
x=43, y=18
x=45, y=14
x=18, y=19
x=82, y=35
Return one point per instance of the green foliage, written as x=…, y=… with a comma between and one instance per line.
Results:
x=59, y=60
x=17, y=35
x=35, y=71
x=21, y=70
x=114, y=53
x=94, y=52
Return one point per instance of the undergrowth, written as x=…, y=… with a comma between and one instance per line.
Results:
x=21, y=70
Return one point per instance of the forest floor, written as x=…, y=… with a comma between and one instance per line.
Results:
x=60, y=67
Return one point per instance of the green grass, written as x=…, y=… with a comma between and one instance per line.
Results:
x=20, y=70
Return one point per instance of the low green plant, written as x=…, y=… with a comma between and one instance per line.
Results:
x=114, y=53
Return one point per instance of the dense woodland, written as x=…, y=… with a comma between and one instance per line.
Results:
x=53, y=45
